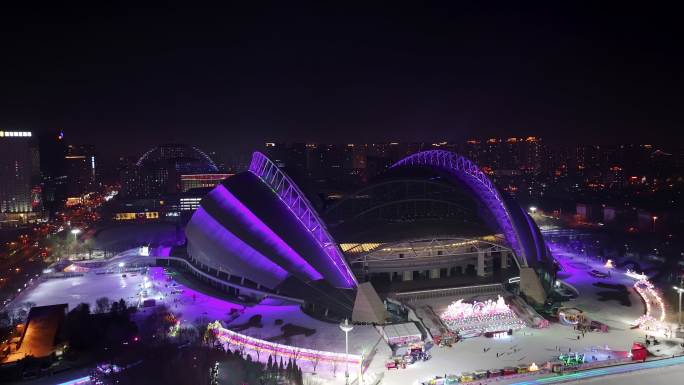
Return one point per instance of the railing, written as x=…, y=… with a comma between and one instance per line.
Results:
x=229, y=337
x=462, y=291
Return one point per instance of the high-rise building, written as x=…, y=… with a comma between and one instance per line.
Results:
x=81, y=169
x=193, y=181
x=53, y=149
x=19, y=161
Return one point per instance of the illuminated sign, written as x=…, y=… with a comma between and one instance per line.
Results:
x=133, y=216
x=73, y=201
x=15, y=134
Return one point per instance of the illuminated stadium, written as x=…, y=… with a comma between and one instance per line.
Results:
x=434, y=215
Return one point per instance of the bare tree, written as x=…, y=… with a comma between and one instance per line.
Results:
x=296, y=353
x=335, y=364
x=241, y=348
x=315, y=360
x=256, y=350
x=102, y=305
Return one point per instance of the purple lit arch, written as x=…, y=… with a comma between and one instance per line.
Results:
x=201, y=154
x=468, y=173
x=299, y=205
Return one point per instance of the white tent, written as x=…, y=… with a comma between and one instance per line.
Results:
x=402, y=334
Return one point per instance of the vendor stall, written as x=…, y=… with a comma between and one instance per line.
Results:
x=402, y=334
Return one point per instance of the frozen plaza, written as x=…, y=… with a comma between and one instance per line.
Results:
x=265, y=321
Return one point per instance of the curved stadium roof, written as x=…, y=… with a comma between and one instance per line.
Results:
x=260, y=226
x=518, y=228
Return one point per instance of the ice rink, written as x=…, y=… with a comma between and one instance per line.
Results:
x=87, y=288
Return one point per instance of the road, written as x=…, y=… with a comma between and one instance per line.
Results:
x=603, y=372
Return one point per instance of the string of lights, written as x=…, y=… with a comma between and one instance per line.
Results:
x=229, y=337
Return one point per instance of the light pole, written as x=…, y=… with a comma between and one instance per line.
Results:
x=654, y=221
x=346, y=328
x=680, y=290
x=609, y=265
x=75, y=231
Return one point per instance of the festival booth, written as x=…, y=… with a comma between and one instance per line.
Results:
x=639, y=352
x=477, y=318
x=402, y=334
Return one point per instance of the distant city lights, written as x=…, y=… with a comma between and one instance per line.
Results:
x=635, y=275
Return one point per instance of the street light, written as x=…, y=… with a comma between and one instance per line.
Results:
x=609, y=265
x=654, y=221
x=680, y=290
x=75, y=232
x=346, y=328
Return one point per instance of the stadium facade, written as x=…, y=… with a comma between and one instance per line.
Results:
x=259, y=227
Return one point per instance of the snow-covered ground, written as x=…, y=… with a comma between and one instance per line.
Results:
x=190, y=304
x=576, y=273
x=87, y=288
x=542, y=345
x=524, y=347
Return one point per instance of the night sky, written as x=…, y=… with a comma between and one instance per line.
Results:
x=125, y=79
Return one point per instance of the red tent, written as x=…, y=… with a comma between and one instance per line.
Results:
x=639, y=352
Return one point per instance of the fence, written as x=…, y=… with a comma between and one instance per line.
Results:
x=456, y=291
x=230, y=337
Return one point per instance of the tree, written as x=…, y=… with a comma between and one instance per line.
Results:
x=80, y=331
x=21, y=312
x=296, y=352
x=315, y=360
x=201, y=323
x=335, y=364
x=122, y=305
x=241, y=348
x=5, y=319
x=102, y=305
x=256, y=350
x=210, y=337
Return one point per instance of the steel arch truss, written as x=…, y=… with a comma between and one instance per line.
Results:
x=468, y=173
x=392, y=193
x=201, y=153
x=299, y=205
